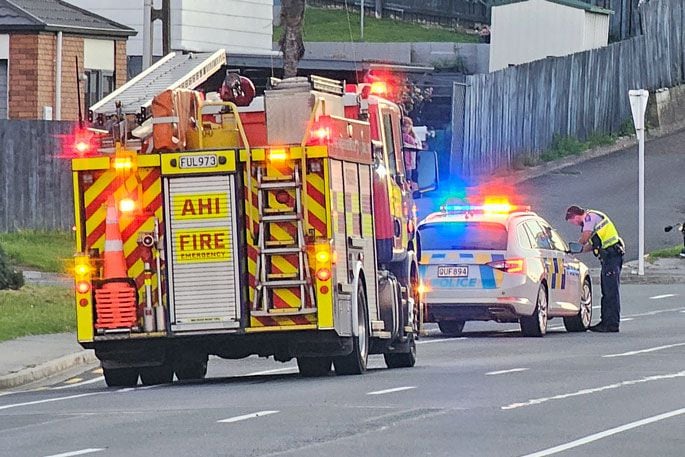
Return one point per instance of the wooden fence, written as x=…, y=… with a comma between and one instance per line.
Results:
x=35, y=184
x=520, y=109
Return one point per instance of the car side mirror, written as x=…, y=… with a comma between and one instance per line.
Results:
x=575, y=248
x=427, y=168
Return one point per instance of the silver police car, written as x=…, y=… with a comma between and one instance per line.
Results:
x=501, y=263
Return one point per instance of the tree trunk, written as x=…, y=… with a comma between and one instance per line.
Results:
x=292, y=47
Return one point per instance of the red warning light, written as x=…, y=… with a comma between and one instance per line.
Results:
x=81, y=143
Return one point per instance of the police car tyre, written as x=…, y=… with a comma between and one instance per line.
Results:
x=196, y=369
x=151, y=376
x=536, y=325
x=355, y=362
x=120, y=377
x=581, y=321
x=402, y=360
x=451, y=328
x=314, y=366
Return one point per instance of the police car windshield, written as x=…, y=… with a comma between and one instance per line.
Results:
x=486, y=236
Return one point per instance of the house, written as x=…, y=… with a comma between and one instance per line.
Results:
x=239, y=26
x=526, y=30
x=40, y=41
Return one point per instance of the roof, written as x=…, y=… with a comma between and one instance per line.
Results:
x=449, y=217
x=572, y=3
x=56, y=16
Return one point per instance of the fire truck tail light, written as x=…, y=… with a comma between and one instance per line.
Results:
x=127, y=205
x=379, y=88
x=509, y=265
x=83, y=287
x=323, y=257
x=82, y=266
x=323, y=274
x=422, y=289
x=277, y=155
x=123, y=163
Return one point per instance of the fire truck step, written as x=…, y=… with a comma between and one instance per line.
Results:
x=284, y=211
x=284, y=312
x=279, y=185
x=293, y=275
x=282, y=251
x=281, y=218
x=280, y=243
x=284, y=284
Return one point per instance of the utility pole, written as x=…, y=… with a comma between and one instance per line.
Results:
x=150, y=15
x=638, y=106
x=361, y=21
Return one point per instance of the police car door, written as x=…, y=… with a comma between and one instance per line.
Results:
x=559, y=284
x=571, y=264
x=552, y=261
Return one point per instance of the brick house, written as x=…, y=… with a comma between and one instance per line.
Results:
x=34, y=34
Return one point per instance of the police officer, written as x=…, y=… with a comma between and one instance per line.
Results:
x=600, y=236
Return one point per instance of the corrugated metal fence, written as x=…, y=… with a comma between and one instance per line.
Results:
x=35, y=184
x=520, y=109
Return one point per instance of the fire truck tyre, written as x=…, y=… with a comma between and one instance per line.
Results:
x=162, y=374
x=355, y=362
x=451, y=328
x=120, y=377
x=196, y=369
x=581, y=321
x=536, y=325
x=402, y=360
x=311, y=367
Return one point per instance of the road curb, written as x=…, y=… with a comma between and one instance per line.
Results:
x=47, y=369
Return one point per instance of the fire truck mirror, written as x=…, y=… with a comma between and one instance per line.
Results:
x=427, y=167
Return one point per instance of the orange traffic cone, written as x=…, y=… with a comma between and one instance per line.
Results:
x=116, y=302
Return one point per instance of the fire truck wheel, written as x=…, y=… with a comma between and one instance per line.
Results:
x=355, y=362
x=196, y=369
x=120, y=377
x=162, y=374
x=402, y=360
x=314, y=366
x=451, y=328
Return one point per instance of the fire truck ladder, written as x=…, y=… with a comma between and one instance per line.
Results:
x=268, y=217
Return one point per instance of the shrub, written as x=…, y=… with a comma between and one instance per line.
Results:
x=10, y=278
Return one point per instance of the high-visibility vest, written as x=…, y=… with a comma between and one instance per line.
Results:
x=605, y=230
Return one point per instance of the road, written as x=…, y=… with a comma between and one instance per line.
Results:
x=490, y=393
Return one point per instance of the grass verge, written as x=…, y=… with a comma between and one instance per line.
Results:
x=43, y=251
x=36, y=310
x=326, y=24
x=666, y=252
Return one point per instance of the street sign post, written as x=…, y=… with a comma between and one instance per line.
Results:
x=638, y=106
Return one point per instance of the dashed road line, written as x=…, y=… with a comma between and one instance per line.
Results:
x=654, y=313
x=632, y=382
x=513, y=370
x=277, y=370
x=627, y=319
x=644, y=351
x=441, y=340
x=74, y=453
x=606, y=433
x=247, y=416
x=83, y=383
x=659, y=297
x=389, y=391
x=49, y=400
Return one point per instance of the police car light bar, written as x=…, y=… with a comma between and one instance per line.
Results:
x=499, y=208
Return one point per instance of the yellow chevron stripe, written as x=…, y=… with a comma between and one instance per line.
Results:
x=100, y=184
x=289, y=297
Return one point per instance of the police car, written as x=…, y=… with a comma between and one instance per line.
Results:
x=502, y=263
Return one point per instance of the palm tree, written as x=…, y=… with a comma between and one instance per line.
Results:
x=292, y=47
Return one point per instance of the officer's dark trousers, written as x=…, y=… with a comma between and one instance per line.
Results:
x=612, y=263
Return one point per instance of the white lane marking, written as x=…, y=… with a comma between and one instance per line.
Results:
x=277, y=370
x=389, y=391
x=654, y=313
x=644, y=351
x=247, y=416
x=597, y=307
x=81, y=452
x=537, y=401
x=49, y=400
x=659, y=297
x=73, y=380
x=627, y=319
x=513, y=370
x=607, y=433
x=441, y=340
x=90, y=381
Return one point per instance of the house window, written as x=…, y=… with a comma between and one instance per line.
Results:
x=99, y=84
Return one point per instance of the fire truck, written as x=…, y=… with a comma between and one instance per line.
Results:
x=280, y=225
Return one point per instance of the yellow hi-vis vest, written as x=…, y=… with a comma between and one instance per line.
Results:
x=605, y=230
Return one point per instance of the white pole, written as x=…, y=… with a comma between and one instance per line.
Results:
x=361, y=35
x=147, y=33
x=58, y=78
x=638, y=106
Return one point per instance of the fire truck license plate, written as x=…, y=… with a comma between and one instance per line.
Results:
x=200, y=161
x=449, y=271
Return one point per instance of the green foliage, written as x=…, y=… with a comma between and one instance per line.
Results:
x=40, y=250
x=627, y=128
x=10, y=278
x=455, y=64
x=667, y=252
x=328, y=24
x=36, y=310
x=598, y=139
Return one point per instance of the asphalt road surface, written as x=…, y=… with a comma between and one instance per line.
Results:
x=489, y=393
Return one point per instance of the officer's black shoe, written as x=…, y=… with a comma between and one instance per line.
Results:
x=603, y=328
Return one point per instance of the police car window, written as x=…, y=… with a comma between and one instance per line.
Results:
x=558, y=242
x=485, y=236
x=541, y=239
x=523, y=237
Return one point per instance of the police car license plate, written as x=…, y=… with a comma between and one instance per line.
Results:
x=451, y=271
x=199, y=161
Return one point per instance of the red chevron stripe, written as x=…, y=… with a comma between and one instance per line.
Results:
x=316, y=194
x=300, y=320
x=317, y=224
x=95, y=235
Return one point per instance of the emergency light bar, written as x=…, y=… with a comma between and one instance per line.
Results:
x=498, y=208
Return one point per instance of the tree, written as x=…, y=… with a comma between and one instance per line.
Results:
x=292, y=47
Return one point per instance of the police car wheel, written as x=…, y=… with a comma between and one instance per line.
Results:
x=581, y=321
x=120, y=377
x=451, y=328
x=536, y=325
x=355, y=362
